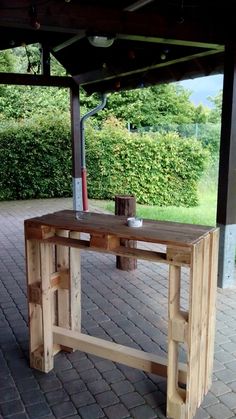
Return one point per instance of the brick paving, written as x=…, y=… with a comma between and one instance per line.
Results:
x=124, y=307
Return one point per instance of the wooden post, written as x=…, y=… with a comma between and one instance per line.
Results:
x=226, y=206
x=126, y=205
x=76, y=148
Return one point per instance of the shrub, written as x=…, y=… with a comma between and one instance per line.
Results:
x=160, y=169
x=35, y=159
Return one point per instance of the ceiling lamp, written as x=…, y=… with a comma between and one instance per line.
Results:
x=137, y=5
x=101, y=41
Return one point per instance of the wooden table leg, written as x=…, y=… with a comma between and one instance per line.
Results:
x=40, y=307
x=176, y=334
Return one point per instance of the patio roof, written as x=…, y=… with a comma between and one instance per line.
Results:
x=154, y=41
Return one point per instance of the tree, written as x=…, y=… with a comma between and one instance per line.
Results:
x=156, y=105
x=215, y=114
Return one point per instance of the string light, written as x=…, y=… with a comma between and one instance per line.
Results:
x=34, y=18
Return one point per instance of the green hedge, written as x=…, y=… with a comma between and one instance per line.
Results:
x=158, y=169
x=35, y=159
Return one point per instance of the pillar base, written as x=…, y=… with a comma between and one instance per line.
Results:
x=77, y=194
x=227, y=252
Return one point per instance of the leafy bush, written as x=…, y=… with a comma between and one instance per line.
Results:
x=35, y=159
x=160, y=169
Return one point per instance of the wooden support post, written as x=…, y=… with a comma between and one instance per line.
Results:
x=62, y=264
x=175, y=396
x=76, y=149
x=45, y=250
x=75, y=286
x=45, y=60
x=126, y=205
x=226, y=206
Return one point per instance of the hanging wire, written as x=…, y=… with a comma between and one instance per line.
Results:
x=31, y=66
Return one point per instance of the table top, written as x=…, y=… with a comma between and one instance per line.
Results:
x=164, y=232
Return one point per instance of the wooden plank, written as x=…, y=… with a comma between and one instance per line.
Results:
x=35, y=231
x=121, y=250
x=45, y=250
x=172, y=234
x=104, y=241
x=194, y=337
x=204, y=319
x=75, y=286
x=175, y=401
x=179, y=255
x=62, y=265
x=212, y=283
x=115, y=352
x=35, y=311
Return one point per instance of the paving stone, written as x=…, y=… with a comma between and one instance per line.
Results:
x=91, y=412
x=11, y=408
x=57, y=396
x=122, y=387
x=26, y=384
x=145, y=386
x=98, y=386
x=118, y=411
x=82, y=399
x=90, y=375
x=105, y=365
x=231, y=365
x=229, y=400
x=19, y=416
x=201, y=414
x=107, y=398
x=226, y=375
x=83, y=365
x=61, y=363
x=63, y=410
x=131, y=400
x=232, y=386
x=68, y=375
x=38, y=410
x=113, y=376
x=155, y=399
x=50, y=383
x=32, y=397
x=218, y=388
x=219, y=411
x=75, y=386
x=142, y=412
x=223, y=356
x=9, y=394
x=209, y=400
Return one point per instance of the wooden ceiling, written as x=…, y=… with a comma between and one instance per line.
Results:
x=155, y=41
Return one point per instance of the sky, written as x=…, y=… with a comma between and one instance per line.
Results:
x=203, y=87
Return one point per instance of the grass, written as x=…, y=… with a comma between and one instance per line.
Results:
x=204, y=213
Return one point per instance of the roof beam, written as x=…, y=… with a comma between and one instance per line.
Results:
x=176, y=72
x=106, y=74
x=69, y=41
x=35, y=80
x=74, y=16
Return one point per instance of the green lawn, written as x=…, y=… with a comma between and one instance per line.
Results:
x=204, y=213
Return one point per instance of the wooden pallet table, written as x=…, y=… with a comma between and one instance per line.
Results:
x=53, y=246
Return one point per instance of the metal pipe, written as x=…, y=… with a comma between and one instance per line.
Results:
x=83, y=158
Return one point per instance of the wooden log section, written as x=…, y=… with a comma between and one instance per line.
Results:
x=126, y=205
x=115, y=352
